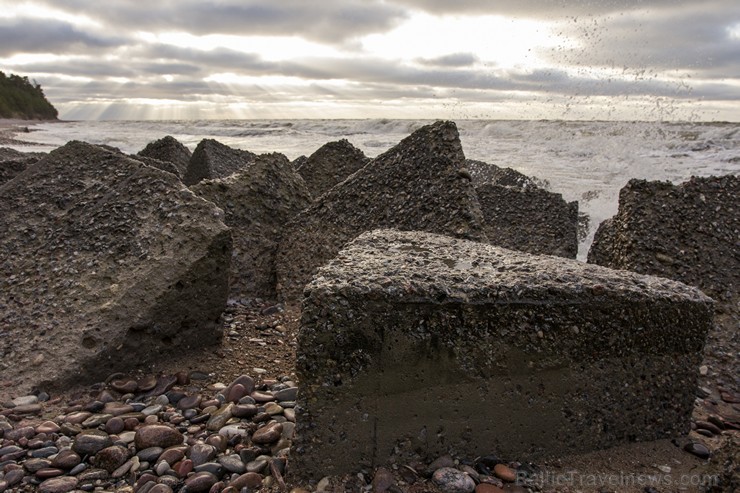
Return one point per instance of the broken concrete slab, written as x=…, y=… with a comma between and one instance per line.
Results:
x=169, y=150
x=105, y=263
x=330, y=164
x=257, y=203
x=417, y=185
x=415, y=344
x=212, y=159
x=529, y=219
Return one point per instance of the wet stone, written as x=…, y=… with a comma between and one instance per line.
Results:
x=200, y=453
x=250, y=480
x=219, y=418
x=288, y=394
x=697, y=449
x=49, y=472
x=115, y=425
x=244, y=410
x=35, y=465
x=505, y=473
x=189, y=402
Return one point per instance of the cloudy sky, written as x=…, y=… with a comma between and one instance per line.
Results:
x=183, y=59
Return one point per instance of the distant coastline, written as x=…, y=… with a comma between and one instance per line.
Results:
x=10, y=128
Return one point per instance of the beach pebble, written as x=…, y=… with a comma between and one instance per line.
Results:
x=697, y=449
x=382, y=480
x=250, y=480
x=505, y=473
x=268, y=434
x=111, y=458
x=58, y=485
x=90, y=442
x=157, y=436
x=200, y=481
x=451, y=480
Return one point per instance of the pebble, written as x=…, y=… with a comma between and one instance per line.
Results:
x=58, y=485
x=219, y=418
x=250, y=480
x=111, y=458
x=233, y=463
x=697, y=449
x=66, y=459
x=90, y=442
x=200, y=481
x=268, y=434
x=26, y=400
x=157, y=436
x=505, y=473
x=382, y=480
x=450, y=480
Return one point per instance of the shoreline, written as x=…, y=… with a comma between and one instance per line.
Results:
x=10, y=128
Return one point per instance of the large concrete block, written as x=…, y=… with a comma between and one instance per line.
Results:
x=169, y=150
x=257, y=201
x=105, y=263
x=418, y=344
x=331, y=164
x=212, y=159
x=417, y=185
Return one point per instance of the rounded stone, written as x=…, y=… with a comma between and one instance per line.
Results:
x=451, y=480
x=268, y=434
x=111, y=458
x=115, y=425
x=250, y=480
x=505, y=473
x=157, y=436
x=160, y=488
x=200, y=453
x=66, y=459
x=697, y=449
x=200, y=481
x=90, y=442
x=48, y=427
x=232, y=463
x=58, y=485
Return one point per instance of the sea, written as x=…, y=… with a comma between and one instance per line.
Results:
x=587, y=161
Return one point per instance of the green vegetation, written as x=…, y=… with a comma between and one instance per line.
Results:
x=19, y=98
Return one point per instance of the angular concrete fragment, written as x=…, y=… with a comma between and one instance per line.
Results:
x=213, y=159
x=258, y=202
x=331, y=164
x=105, y=263
x=688, y=232
x=169, y=150
x=417, y=185
x=529, y=219
x=418, y=344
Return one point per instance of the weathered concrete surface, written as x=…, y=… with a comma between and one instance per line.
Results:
x=257, y=202
x=331, y=164
x=416, y=185
x=529, y=219
x=101, y=255
x=414, y=343
x=689, y=232
x=482, y=173
x=13, y=162
x=213, y=159
x=170, y=150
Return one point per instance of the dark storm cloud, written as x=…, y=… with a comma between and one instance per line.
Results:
x=26, y=35
x=331, y=21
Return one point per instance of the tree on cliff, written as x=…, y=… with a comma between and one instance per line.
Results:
x=19, y=98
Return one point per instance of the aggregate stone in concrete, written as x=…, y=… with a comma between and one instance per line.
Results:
x=416, y=343
x=419, y=184
x=104, y=263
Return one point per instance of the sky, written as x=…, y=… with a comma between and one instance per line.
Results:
x=512, y=59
